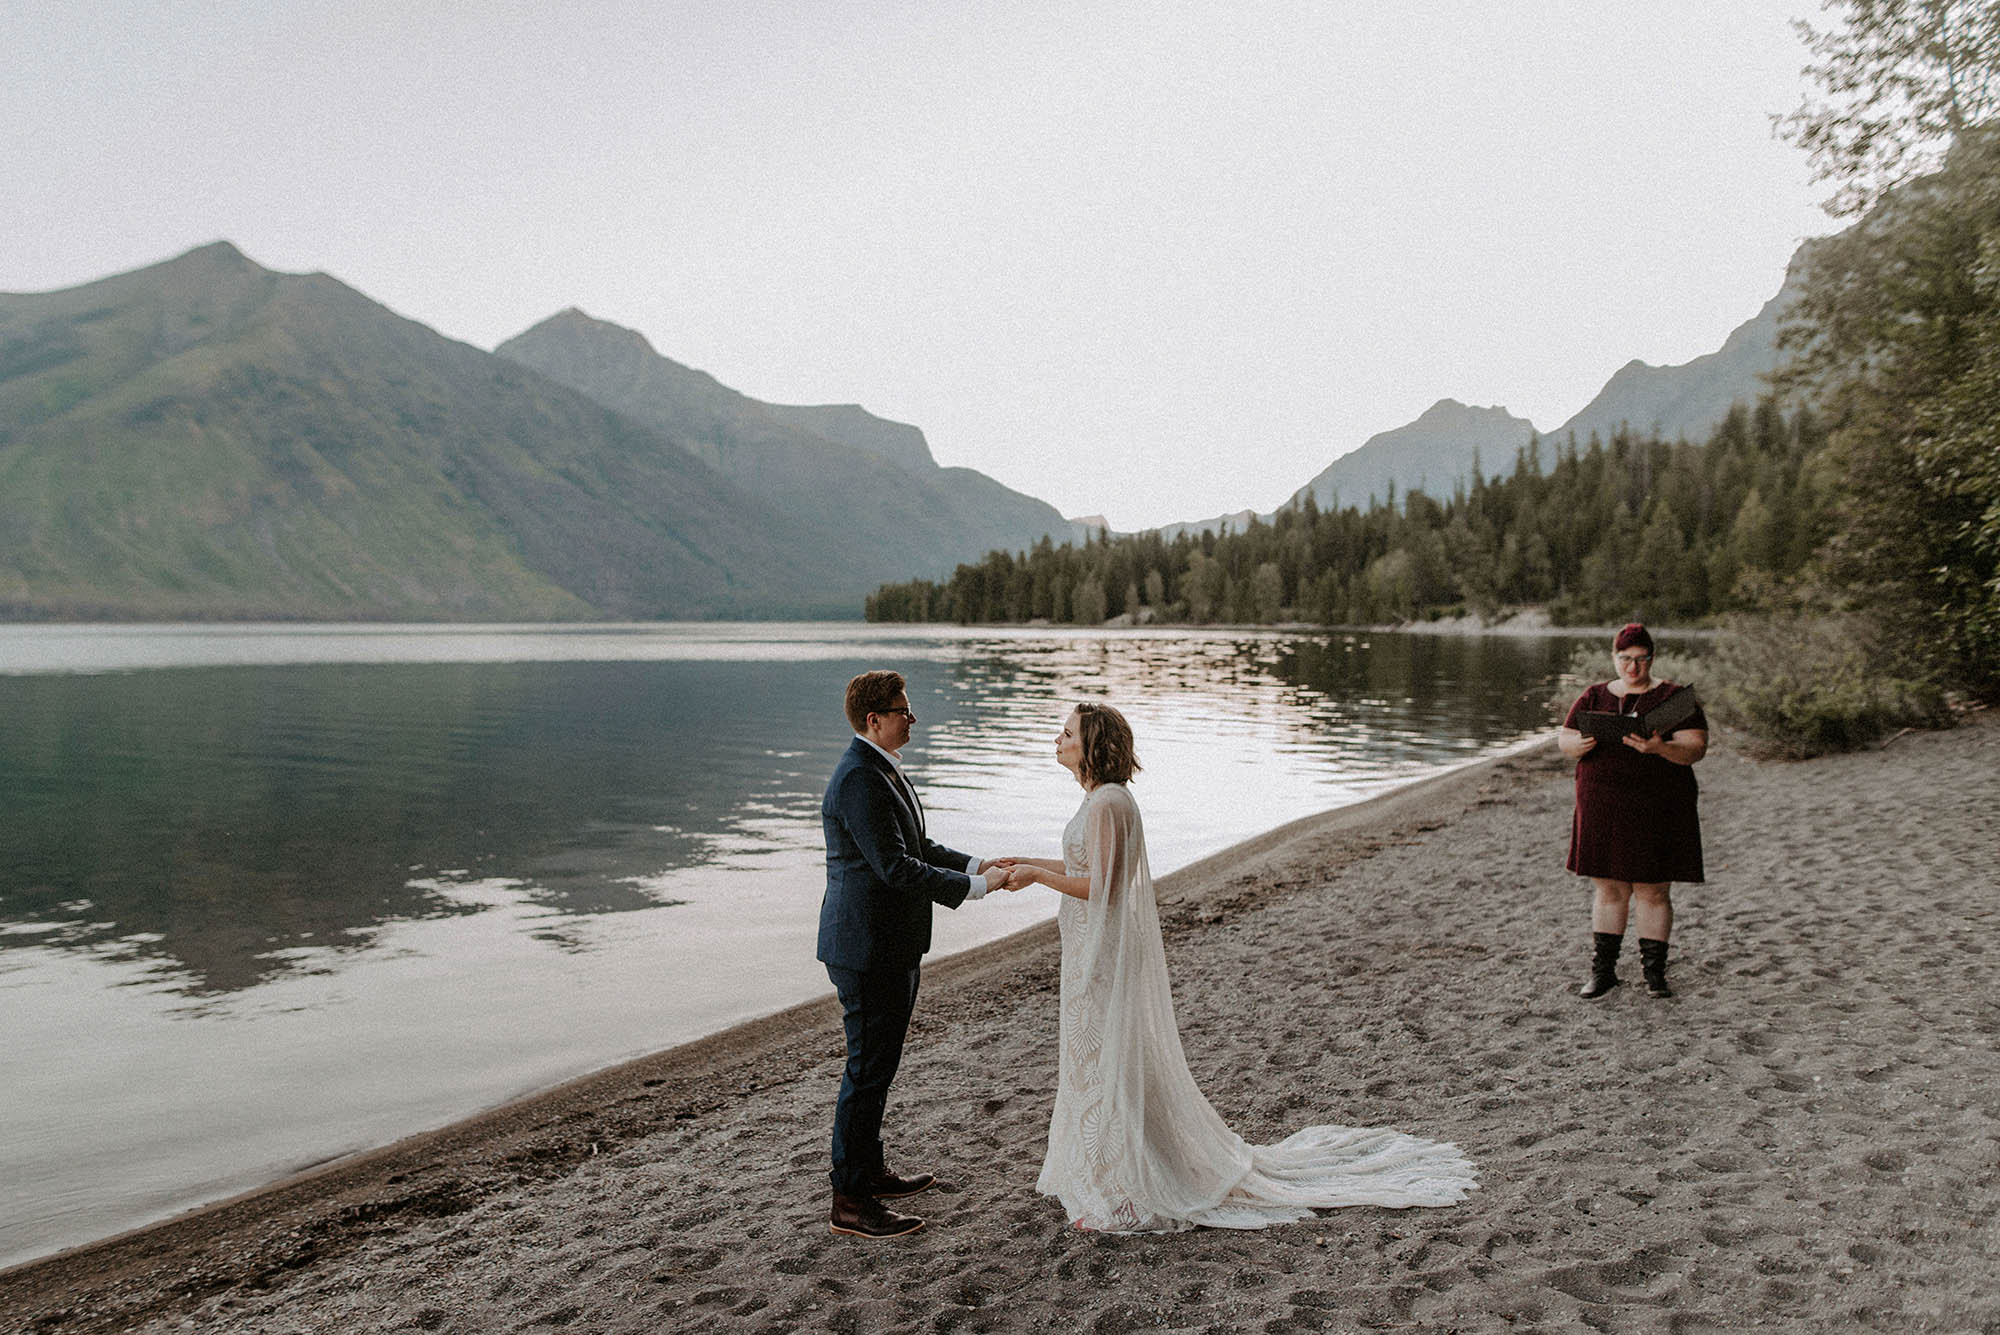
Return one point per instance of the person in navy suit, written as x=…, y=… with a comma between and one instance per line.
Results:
x=883, y=873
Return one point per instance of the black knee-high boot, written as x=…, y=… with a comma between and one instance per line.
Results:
x=1653, y=959
x=1603, y=964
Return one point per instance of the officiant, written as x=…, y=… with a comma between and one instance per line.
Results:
x=1635, y=742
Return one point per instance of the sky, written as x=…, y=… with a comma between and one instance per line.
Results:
x=1153, y=261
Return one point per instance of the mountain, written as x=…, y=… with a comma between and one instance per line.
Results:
x=872, y=484
x=206, y=438
x=1688, y=401
x=1434, y=454
x=1232, y=523
x=1437, y=451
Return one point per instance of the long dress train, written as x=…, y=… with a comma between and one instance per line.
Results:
x=1133, y=1144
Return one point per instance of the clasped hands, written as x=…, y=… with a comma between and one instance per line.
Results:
x=1016, y=874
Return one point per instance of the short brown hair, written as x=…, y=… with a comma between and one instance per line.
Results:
x=872, y=693
x=1108, y=754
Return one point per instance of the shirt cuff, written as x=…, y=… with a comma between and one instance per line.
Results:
x=978, y=890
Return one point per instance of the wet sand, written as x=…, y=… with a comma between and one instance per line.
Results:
x=1807, y=1137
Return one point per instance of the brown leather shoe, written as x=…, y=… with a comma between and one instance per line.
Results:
x=886, y=1186
x=866, y=1217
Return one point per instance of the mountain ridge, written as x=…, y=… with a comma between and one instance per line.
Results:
x=1438, y=450
x=871, y=482
x=209, y=439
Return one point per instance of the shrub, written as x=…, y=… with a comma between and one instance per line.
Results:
x=1799, y=681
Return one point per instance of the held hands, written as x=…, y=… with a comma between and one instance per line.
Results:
x=1001, y=874
x=1006, y=874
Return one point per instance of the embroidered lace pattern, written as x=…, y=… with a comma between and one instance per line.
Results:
x=1133, y=1144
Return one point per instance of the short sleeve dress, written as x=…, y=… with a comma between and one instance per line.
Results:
x=1635, y=813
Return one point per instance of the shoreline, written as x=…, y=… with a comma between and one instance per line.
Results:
x=1801, y=1138
x=549, y=1126
x=511, y=1106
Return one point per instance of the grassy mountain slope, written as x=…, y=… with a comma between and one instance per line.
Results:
x=869, y=485
x=206, y=438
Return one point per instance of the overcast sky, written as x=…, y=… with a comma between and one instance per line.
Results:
x=1155, y=261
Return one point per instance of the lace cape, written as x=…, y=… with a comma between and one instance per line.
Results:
x=1133, y=1144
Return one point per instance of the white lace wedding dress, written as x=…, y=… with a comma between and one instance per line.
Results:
x=1133, y=1145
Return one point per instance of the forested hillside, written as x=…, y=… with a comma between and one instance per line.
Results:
x=1635, y=527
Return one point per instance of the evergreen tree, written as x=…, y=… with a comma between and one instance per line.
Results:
x=1898, y=324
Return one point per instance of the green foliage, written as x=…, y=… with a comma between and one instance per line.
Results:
x=1588, y=664
x=1903, y=79
x=1801, y=681
x=1897, y=331
x=1636, y=528
x=1801, y=675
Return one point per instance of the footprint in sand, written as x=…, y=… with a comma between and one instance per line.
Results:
x=1887, y=1161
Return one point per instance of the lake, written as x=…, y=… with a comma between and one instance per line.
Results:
x=274, y=894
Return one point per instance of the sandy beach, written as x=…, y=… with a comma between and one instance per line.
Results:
x=1806, y=1137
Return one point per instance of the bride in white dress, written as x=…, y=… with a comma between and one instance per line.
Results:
x=1134, y=1147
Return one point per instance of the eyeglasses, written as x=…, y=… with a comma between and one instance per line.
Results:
x=1634, y=658
x=909, y=714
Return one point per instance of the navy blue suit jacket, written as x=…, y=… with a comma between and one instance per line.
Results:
x=882, y=873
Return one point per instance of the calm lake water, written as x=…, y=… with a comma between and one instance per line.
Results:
x=273, y=894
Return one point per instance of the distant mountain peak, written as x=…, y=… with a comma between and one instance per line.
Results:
x=1687, y=400
x=1452, y=411
x=571, y=320
x=219, y=251
x=216, y=257
x=1435, y=453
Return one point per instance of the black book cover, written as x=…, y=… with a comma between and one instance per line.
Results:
x=1658, y=721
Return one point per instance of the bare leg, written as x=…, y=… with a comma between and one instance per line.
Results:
x=1608, y=907
x=1655, y=911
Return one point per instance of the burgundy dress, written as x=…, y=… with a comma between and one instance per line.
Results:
x=1635, y=813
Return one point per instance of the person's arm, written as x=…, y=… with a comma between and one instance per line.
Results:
x=1571, y=740
x=1683, y=748
x=987, y=875
x=1108, y=818
x=1043, y=871
x=1046, y=864
x=867, y=807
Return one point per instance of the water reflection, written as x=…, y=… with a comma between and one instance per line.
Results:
x=211, y=821
x=220, y=824
x=323, y=904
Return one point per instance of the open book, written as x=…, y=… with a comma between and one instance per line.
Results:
x=1659, y=721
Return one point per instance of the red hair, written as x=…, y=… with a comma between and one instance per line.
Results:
x=1632, y=633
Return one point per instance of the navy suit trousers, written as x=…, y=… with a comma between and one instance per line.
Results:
x=876, y=1005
